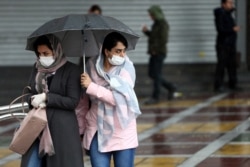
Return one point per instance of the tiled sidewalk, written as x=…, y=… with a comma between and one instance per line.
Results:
x=201, y=131
x=187, y=142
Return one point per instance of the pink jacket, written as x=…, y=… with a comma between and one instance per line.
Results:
x=87, y=118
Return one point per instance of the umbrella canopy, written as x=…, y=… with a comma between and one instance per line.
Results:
x=83, y=34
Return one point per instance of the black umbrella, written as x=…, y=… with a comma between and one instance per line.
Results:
x=83, y=34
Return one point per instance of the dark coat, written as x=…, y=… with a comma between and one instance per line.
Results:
x=62, y=100
x=158, y=36
x=224, y=23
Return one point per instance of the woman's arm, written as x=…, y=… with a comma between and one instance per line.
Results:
x=101, y=93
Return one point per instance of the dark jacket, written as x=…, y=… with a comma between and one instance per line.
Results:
x=158, y=36
x=224, y=23
x=62, y=99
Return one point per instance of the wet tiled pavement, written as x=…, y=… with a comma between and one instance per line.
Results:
x=211, y=130
x=214, y=135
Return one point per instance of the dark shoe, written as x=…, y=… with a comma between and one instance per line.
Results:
x=171, y=94
x=151, y=101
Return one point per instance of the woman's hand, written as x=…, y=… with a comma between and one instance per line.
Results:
x=37, y=100
x=85, y=80
x=144, y=28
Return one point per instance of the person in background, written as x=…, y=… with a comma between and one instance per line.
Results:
x=95, y=9
x=108, y=112
x=157, y=49
x=54, y=83
x=225, y=46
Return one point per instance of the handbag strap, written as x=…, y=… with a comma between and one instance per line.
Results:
x=16, y=99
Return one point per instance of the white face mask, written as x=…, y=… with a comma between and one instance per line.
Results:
x=46, y=61
x=116, y=60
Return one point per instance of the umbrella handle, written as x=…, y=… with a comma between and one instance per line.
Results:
x=84, y=69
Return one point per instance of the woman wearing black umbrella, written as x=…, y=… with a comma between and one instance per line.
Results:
x=55, y=85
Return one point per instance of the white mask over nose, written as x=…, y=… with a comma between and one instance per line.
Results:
x=116, y=60
x=46, y=61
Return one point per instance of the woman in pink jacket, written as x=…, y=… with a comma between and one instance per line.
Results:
x=107, y=113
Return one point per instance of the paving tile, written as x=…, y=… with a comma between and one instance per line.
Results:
x=235, y=117
x=245, y=137
x=142, y=127
x=152, y=119
x=162, y=138
x=173, y=104
x=167, y=149
x=4, y=152
x=200, y=118
x=246, y=103
x=229, y=102
x=182, y=128
x=200, y=127
x=246, y=163
x=216, y=127
x=222, y=162
x=224, y=109
x=12, y=163
x=198, y=137
x=184, y=103
x=158, y=111
x=234, y=149
x=158, y=161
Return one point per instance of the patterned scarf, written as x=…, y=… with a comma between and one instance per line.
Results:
x=127, y=107
x=45, y=72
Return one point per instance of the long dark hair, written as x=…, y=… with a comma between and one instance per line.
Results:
x=111, y=40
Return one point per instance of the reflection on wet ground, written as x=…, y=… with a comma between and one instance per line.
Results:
x=201, y=131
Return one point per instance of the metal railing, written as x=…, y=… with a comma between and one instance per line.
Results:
x=13, y=111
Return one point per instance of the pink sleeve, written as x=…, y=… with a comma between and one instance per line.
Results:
x=81, y=111
x=101, y=93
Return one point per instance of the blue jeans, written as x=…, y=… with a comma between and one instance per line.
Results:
x=122, y=158
x=34, y=160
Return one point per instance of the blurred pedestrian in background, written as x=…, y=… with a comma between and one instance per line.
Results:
x=95, y=9
x=157, y=49
x=226, y=46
